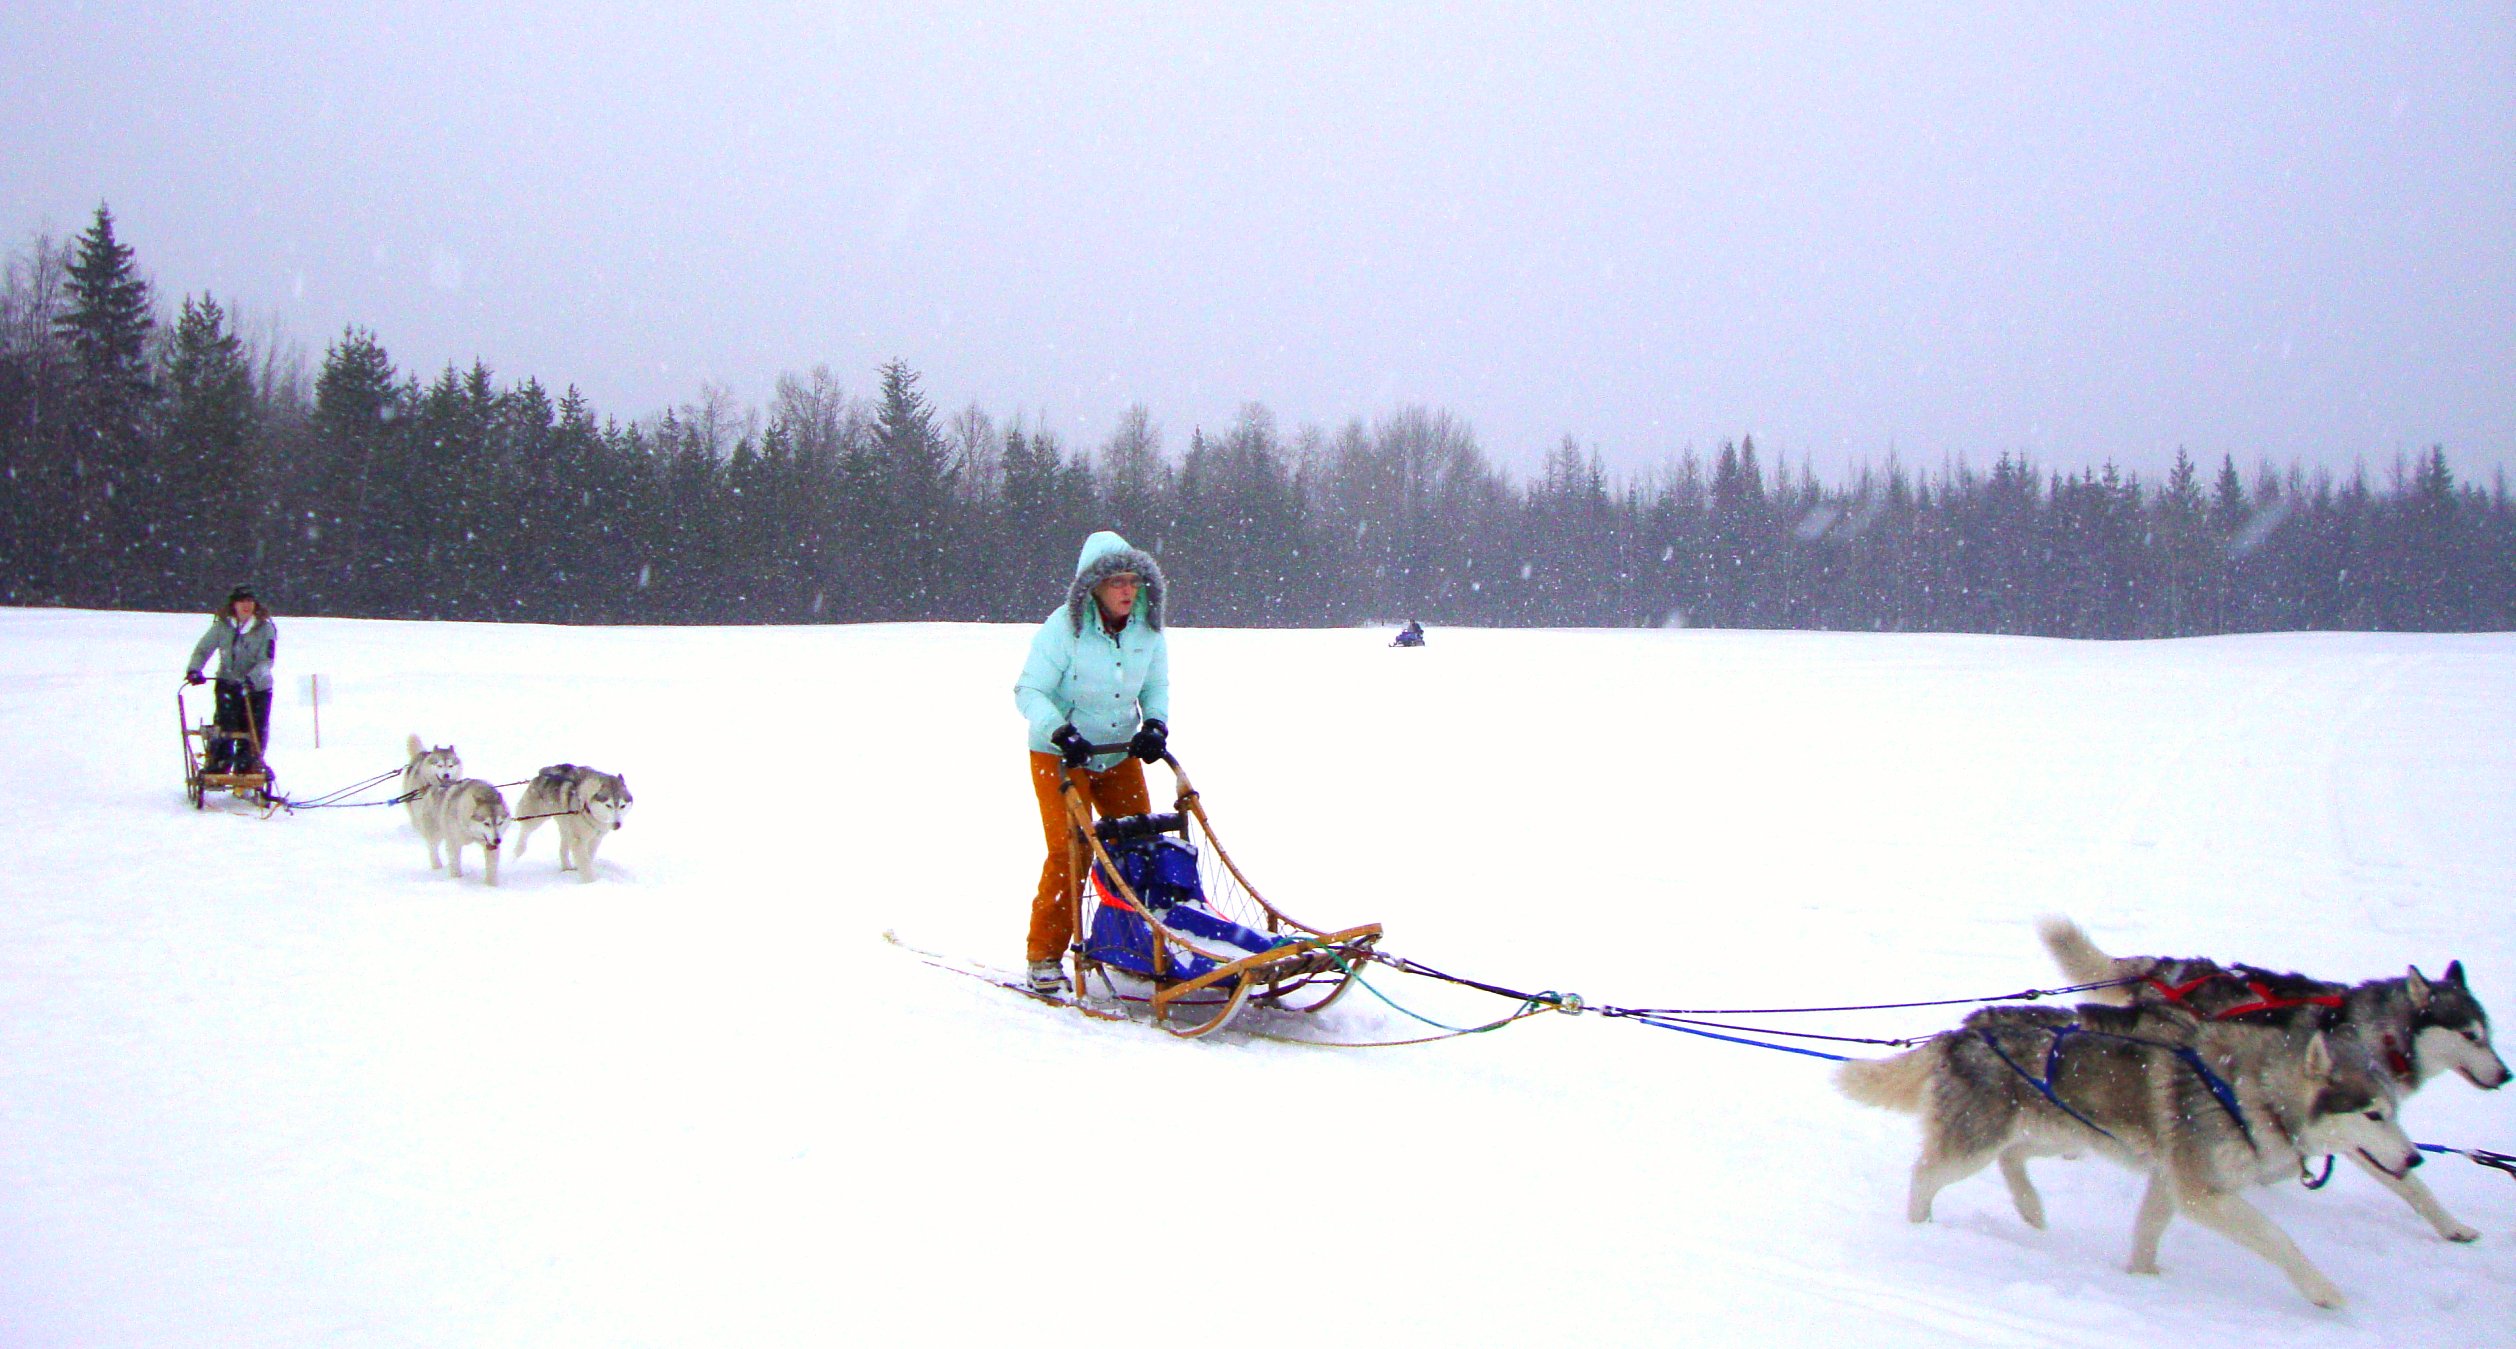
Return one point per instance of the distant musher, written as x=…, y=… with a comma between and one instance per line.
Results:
x=247, y=641
x=1410, y=635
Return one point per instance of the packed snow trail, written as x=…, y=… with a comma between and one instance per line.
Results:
x=276, y=1083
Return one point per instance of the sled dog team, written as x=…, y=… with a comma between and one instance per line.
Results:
x=2209, y=1078
x=455, y=812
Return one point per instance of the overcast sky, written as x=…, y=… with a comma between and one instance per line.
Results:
x=2084, y=232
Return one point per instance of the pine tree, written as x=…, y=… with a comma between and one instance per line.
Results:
x=345, y=532
x=1027, y=549
x=912, y=480
x=2428, y=550
x=106, y=326
x=2182, y=554
x=2227, y=499
x=1734, y=552
x=212, y=510
x=1241, y=529
x=2229, y=515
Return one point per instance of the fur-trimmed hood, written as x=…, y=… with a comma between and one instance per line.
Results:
x=1104, y=684
x=1105, y=555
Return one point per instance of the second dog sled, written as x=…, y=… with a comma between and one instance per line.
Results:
x=214, y=758
x=1162, y=906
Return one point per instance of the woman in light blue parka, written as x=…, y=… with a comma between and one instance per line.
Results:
x=1099, y=673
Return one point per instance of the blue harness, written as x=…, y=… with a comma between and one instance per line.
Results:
x=2219, y=1088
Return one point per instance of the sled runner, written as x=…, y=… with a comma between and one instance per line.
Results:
x=205, y=744
x=1163, y=905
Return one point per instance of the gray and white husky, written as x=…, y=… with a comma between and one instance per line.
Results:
x=2413, y=1026
x=585, y=803
x=2207, y=1108
x=461, y=814
x=427, y=768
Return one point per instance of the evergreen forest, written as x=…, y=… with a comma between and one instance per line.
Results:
x=151, y=456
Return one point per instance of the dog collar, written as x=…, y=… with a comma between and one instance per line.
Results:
x=2399, y=1062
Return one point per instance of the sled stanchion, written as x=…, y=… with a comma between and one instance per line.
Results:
x=253, y=727
x=194, y=789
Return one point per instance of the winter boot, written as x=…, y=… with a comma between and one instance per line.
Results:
x=1049, y=977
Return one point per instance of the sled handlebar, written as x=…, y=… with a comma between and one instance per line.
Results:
x=1120, y=748
x=1128, y=828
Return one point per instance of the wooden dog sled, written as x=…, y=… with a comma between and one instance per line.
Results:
x=199, y=783
x=1163, y=906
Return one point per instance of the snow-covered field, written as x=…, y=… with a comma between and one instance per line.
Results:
x=272, y=1082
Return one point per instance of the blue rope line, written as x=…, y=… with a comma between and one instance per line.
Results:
x=2220, y=1090
x=1527, y=1005
x=2496, y=1161
x=1736, y=1040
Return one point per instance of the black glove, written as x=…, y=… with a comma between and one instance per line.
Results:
x=194, y=677
x=1071, y=746
x=1152, y=741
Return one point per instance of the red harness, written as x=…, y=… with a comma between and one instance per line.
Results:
x=2264, y=999
x=2175, y=992
x=2265, y=1002
x=2396, y=1061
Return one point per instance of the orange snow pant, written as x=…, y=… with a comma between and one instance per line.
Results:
x=1118, y=790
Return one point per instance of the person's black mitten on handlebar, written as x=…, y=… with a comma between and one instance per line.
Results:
x=1071, y=746
x=1152, y=740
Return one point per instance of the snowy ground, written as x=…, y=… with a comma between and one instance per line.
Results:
x=274, y=1083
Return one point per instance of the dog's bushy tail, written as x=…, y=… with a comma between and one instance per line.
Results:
x=415, y=747
x=2082, y=962
x=1890, y=1084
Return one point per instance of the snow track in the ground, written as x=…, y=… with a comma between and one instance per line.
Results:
x=274, y=1083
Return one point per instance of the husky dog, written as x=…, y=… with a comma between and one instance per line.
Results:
x=427, y=768
x=461, y=813
x=2207, y=1108
x=586, y=803
x=2414, y=1027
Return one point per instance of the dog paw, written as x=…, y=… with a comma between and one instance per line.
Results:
x=2149, y=1267
x=2459, y=1232
x=2317, y=1289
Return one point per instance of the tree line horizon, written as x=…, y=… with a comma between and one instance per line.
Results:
x=151, y=464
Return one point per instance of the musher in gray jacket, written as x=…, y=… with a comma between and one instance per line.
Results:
x=246, y=642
